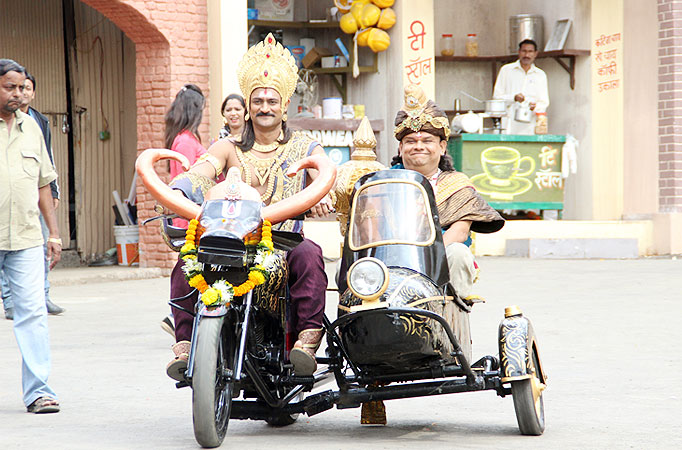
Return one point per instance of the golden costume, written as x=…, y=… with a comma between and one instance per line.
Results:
x=272, y=172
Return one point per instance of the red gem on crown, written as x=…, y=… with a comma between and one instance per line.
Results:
x=267, y=55
x=269, y=40
x=265, y=73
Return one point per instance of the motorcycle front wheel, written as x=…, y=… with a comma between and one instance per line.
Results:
x=211, y=392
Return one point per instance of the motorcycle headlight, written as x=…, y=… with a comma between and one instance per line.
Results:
x=368, y=278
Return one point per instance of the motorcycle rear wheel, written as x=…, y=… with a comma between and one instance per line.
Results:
x=211, y=393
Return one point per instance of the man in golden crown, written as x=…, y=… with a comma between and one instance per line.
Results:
x=423, y=130
x=267, y=77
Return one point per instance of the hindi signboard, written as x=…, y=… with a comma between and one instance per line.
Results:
x=418, y=45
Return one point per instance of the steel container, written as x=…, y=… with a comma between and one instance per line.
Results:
x=525, y=26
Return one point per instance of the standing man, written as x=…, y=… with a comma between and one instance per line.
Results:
x=44, y=123
x=522, y=84
x=267, y=147
x=24, y=195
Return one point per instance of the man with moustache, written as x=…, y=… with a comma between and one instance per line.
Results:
x=44, y=123
x=24, y=195
x=267, y=78
x=522, y=82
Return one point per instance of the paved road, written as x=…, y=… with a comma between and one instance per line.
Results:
x=608, y=332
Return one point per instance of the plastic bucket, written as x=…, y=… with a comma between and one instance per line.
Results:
x=127, y=244
x=331, y=108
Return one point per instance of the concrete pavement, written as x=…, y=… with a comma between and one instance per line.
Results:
x=607, y=332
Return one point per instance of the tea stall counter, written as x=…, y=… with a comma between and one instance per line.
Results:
x=512, y=171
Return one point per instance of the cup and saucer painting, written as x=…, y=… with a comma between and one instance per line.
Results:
x=503, y=175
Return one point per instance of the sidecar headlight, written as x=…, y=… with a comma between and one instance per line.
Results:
x=368, y=278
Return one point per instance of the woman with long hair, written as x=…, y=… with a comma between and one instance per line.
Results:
x=182, y=135
x=234, y=114
x=182, y=126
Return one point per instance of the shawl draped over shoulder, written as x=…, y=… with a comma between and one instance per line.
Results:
x=457, y=199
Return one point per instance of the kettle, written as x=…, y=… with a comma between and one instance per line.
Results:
x=523, y=113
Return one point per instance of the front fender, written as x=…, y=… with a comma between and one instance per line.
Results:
x=204, y=313
x=517, y=342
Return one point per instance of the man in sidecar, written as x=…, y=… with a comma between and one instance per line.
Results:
x=267, y=77
x=423, y=130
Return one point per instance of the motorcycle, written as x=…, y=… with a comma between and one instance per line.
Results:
x=399, y=321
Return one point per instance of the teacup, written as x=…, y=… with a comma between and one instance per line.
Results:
x=502, y=164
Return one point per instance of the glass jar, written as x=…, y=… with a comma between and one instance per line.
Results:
x=447, y=45
x=472, y=45
x=541, y=123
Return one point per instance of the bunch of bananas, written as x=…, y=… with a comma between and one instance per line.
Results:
x=368, y=20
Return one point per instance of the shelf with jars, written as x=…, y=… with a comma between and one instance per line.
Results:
x=565, y=58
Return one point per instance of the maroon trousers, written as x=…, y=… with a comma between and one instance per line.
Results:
x=307, y=289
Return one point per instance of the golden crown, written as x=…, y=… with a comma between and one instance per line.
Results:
x=414, y=107
x=268, y=65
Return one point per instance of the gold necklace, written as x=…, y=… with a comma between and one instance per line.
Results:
x=268, y=147
x=265, y=148
x=267, y=170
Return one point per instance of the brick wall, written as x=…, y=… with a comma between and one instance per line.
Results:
x=171, y=44
x=670, y=104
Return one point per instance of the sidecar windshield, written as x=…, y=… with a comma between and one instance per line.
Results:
x=391, y=212
x=232, y=218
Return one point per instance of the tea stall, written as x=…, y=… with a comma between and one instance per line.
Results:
x=512, y=171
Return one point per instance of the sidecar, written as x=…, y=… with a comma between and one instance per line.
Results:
x=399, y=318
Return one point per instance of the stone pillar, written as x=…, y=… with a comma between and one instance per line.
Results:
x=668, y=223
x=670, y=104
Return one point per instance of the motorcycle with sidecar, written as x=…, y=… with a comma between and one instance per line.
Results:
x=401, y=330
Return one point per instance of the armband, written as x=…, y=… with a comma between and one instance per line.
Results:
x=207, y=157
x=57, y=241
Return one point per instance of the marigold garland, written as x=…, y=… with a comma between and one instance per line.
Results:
x=222, y=292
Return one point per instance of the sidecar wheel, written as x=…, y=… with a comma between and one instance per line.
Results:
x=528, y=403
x=211, y=393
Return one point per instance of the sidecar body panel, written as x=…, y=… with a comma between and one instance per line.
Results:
x=400, y=340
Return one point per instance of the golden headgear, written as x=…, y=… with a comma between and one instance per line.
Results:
x=415, y=106
x=268, y=65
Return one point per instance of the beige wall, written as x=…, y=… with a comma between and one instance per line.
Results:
x=640, y=109
x=227, y=43
x=607, y=113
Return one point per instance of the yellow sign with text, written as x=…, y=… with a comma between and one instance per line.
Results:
x=418, y=45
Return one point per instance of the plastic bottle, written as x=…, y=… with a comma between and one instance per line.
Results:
x=447, y=45
x=472, y=45
x=541, y=123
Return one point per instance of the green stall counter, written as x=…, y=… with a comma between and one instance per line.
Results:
x=512, y=171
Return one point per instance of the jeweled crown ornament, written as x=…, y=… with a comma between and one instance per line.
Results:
x=414, y=107
x=268, y=65
x=363, y=160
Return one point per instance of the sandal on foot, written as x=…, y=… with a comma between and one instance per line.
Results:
x=302, y=356
x=43, y=405
x=177, y=367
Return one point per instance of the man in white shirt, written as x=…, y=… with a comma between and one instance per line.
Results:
x=522, y=84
